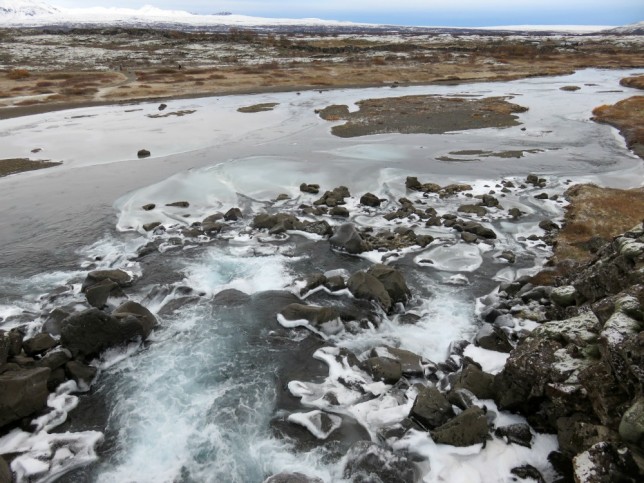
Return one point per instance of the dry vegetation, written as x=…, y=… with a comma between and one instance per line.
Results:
x=594, y=216
x=628, y=117
x=113, y=65
x=19, y=165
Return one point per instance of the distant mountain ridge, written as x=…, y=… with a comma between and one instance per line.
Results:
x=26, y=8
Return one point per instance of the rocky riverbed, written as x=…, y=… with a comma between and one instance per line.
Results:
x=396, y=327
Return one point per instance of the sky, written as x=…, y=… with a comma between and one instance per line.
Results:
x=474, y=13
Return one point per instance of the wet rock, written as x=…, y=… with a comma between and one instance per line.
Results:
x=144, y=317
x=339, y=211
x=369, y=462
x=4, y=347
x=493, y=338
x=469, y=237
x=120, y=277
x=15, y=338
x=39, y=344
x=411, y=364
x=363, y=285
x=468, y=428
x=606, y=462
x=515, y=213
x=98, y=294
x=151, y=226
x=516, y=433
x=473, y=209
x=548, y=225
x=143, y=153
x=5, y=471
x=335, y=283
x=369, y=199
x=383, y=369
x=22, y=393
x=314, y=315
x=318, y=423
x=424, y=240
x=508, y=255
x=334, y=198
x=528, y=472
x=569, y=88
x=489, y=201
x=90, y=332
x=233, y=214
x=149, y=207
x=179, y=204
x=81, y=373
x=276, y=223
x=231, y=298
x=310, y=188
x=479, y=230
x=462, y=398
x=577, y=433
x=393, y=281
x=292, y=478
x=312, y=282
x=476, y=381
x=346, y=238
x=55, y=359
x=412, y=183
x=162, y=107
x=431, y=408
x=541, y=196
x=631, y=427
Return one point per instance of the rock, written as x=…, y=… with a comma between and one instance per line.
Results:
x=489, y=201
x=431, y=408
x=339, y=211
x=346, y=238
x=424, y=240
x=564, y=296
x=528, y=472
x=143, y=153
x=55, y=359
x=162, y=107
x=472, y=209
x=542, y=196
x=383, y=369
x=515, y=213
x=412, y=183
x=476, y=381
x=310, y=188
x=579, y=432
x=393, y=281
x=233, y=214
x=334, y=198
x=469, y=237
x=89, y=332
x=631, y=427
x=179, y=204
x=151, y=226
x=292, y=478
x=468, y=428
x=365, y=286
x=120, y=277
x=312, y=282
x=4, y=347
x=369, y=199
x=98, y=294
x=313, y=314
x=133, y=309
x=81, y=373
x=516, y=433
x=149, y=207
x=335, y=283
x=479, y=230
x=368, y=462
x=276, y=223
x=508, y=255
x=411, y=364
x=462, y=398
x=493, y=338
x=22, y=393
x=606, y=462
x=15, y=338
x=569, y=88
x=5, y=472
x=39, y=344
x=548, y=225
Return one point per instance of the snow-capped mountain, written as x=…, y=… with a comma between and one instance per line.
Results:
x=25, y=9
x=631, y=29
x=19, y=13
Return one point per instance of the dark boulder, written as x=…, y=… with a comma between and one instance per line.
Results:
x=231, y=298
x=393, y=281
x=516, y=433
x=149, y=207
x=321, y=228
x=528, y=472
x=383, y=369
x=468, y=428
x=233, y=214
x=278, y=223
x=179, y=204
x=412, y=183
x=4, y=347
x=339, y=211
x=310, y=188
x=143, y=153
x=604, y=463
x=120, y=277
x=368, y=462
x=90, y=332
x=22, y=393
x=5, y=472
x=475, y=380
x=335, y=283
x=98, y=294
x=333, y=198
x=363, y=285
x=631, y=427
x=39, y=344
x=473, y=209
x=131, y=309
x=81, y=373
x=314, y=315
x=431, y=408
x=493, y=338
x=347, y=239
x=548, y=225
x=369, y=199
x=55, y=359
x=489, y=201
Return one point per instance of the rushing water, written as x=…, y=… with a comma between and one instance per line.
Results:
x=207, y=397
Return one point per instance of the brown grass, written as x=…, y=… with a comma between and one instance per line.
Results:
x=628, y=117
x=636, y=82
x=600, y=213
x=18, y=74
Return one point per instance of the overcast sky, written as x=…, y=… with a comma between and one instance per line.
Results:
x=411, y=12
